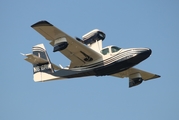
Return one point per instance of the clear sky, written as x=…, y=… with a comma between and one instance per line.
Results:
x=127, y=23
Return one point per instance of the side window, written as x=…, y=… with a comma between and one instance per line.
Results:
x=114, y=49
x=105, y=51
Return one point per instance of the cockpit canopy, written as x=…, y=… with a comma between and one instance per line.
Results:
x=110, y=49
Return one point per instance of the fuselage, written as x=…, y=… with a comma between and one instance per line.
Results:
x=114, y=61
x=122, y=60
x=87, y=56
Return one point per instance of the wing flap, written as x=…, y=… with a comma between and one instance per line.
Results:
x=33, y=59
x=145, y=75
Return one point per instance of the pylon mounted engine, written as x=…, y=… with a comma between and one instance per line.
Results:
x=93, y=36
x=94, y=39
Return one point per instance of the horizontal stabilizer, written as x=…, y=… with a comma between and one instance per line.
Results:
x=37, y=60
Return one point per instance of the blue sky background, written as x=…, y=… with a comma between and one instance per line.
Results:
x=127, y=23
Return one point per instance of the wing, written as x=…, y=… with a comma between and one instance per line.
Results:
x=145, y=75
x=76, y=51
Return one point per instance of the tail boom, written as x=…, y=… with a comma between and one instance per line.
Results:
x=43, y=76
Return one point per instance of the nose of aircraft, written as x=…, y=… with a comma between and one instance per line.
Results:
x=146, y=52
x=140, y=54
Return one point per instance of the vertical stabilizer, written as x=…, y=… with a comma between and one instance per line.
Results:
x=42, y=70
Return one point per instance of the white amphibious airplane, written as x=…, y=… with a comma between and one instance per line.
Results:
x=87, y=57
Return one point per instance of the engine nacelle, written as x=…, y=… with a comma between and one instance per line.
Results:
x=93, y=36
x=135, y=79
x=60, y=44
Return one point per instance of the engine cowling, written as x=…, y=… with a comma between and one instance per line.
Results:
x=93, y=36
x=135, y=79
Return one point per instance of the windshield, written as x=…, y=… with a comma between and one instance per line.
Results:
x=105, y=51
x=114, y=49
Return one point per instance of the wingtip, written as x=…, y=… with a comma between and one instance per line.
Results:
x=41, y=23
x=22, y=54
x=25, y=54
x=156, y=76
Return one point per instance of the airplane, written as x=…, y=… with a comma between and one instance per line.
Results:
x=87, y=57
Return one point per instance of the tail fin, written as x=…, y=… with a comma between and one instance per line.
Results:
x=40, y=51
x=42, y=68
x=94, y=39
